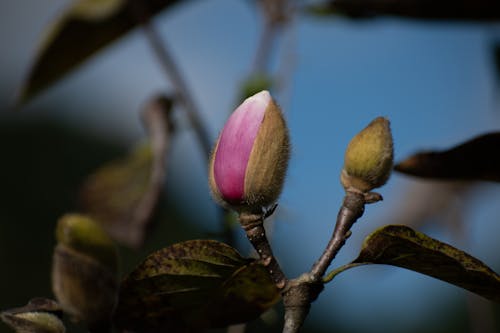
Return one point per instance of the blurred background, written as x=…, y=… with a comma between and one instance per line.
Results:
x=435, y=80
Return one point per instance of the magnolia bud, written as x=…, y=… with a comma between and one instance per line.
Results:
x=248, y=165
x=84, y=271
x=369, y=157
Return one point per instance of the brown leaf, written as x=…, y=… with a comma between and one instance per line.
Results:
x=192, y=286
x=122, y=195
x=40, y=315
x=476, y=159
x=475, y=10
x=83, y=30
x=404, y=247
x=85, y=287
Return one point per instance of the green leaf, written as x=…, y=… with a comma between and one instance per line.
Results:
x=194, y=285
x=404, y=247
x=476, y=159
x=84, y=29
x=255, y=83
x=123, y=194
x=473, y=10
x=40, y=315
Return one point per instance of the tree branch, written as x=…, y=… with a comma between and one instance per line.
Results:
x=171, y=69
x=301, y=292
x=253, y=224
x=351, y=210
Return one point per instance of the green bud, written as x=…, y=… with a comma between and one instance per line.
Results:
x=369, y=157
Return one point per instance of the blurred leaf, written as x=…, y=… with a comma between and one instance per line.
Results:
x=85, y=287
x=85, y=236
x=476, y=10
x=84, y=271
x=496, y=59
x=401, y=246
x=85, y=28
x=254, y=84
x=192, y=286
x=435, y=202
x=122, y=195
x=476, y=159
x=40, y=315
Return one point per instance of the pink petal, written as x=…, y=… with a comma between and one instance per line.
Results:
x=235, y=145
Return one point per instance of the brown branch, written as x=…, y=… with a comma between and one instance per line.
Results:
x=351, y=210
x=301, y=292
x=253, y=224
x=171, y=69
x=276, y=14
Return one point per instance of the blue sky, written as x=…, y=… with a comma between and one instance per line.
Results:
x=434, y=81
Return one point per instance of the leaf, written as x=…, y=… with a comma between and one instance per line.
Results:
x=87, y=237
x=85, y=287
x=474, y=10
x=476, y=159
x=255, y=83
x=192, y=286
x=40, y=315
x=404, y=247
x=122, y=195
x=495, y=50
x=84, y=29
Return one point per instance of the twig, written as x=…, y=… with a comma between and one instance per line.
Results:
x=352, y=209
x=301, y=292
x=253, y=224
x=171, y=69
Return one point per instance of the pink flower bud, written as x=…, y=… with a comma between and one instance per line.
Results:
x=248, y=164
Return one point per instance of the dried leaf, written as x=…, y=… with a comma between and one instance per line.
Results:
x=40, y=315
x=84, y=271
x=194, y=285
x=85, y=288
x=476, y=159
x=122, y=195
x=85, y=28
x=404, y=247
x=423, y=202
x=475, y=10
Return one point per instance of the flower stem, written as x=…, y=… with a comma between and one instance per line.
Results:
x=304, y=290
x=253, y=224
x=351, y=210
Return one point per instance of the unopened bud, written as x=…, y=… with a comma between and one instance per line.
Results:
x=249, y=162
x=369, y=157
